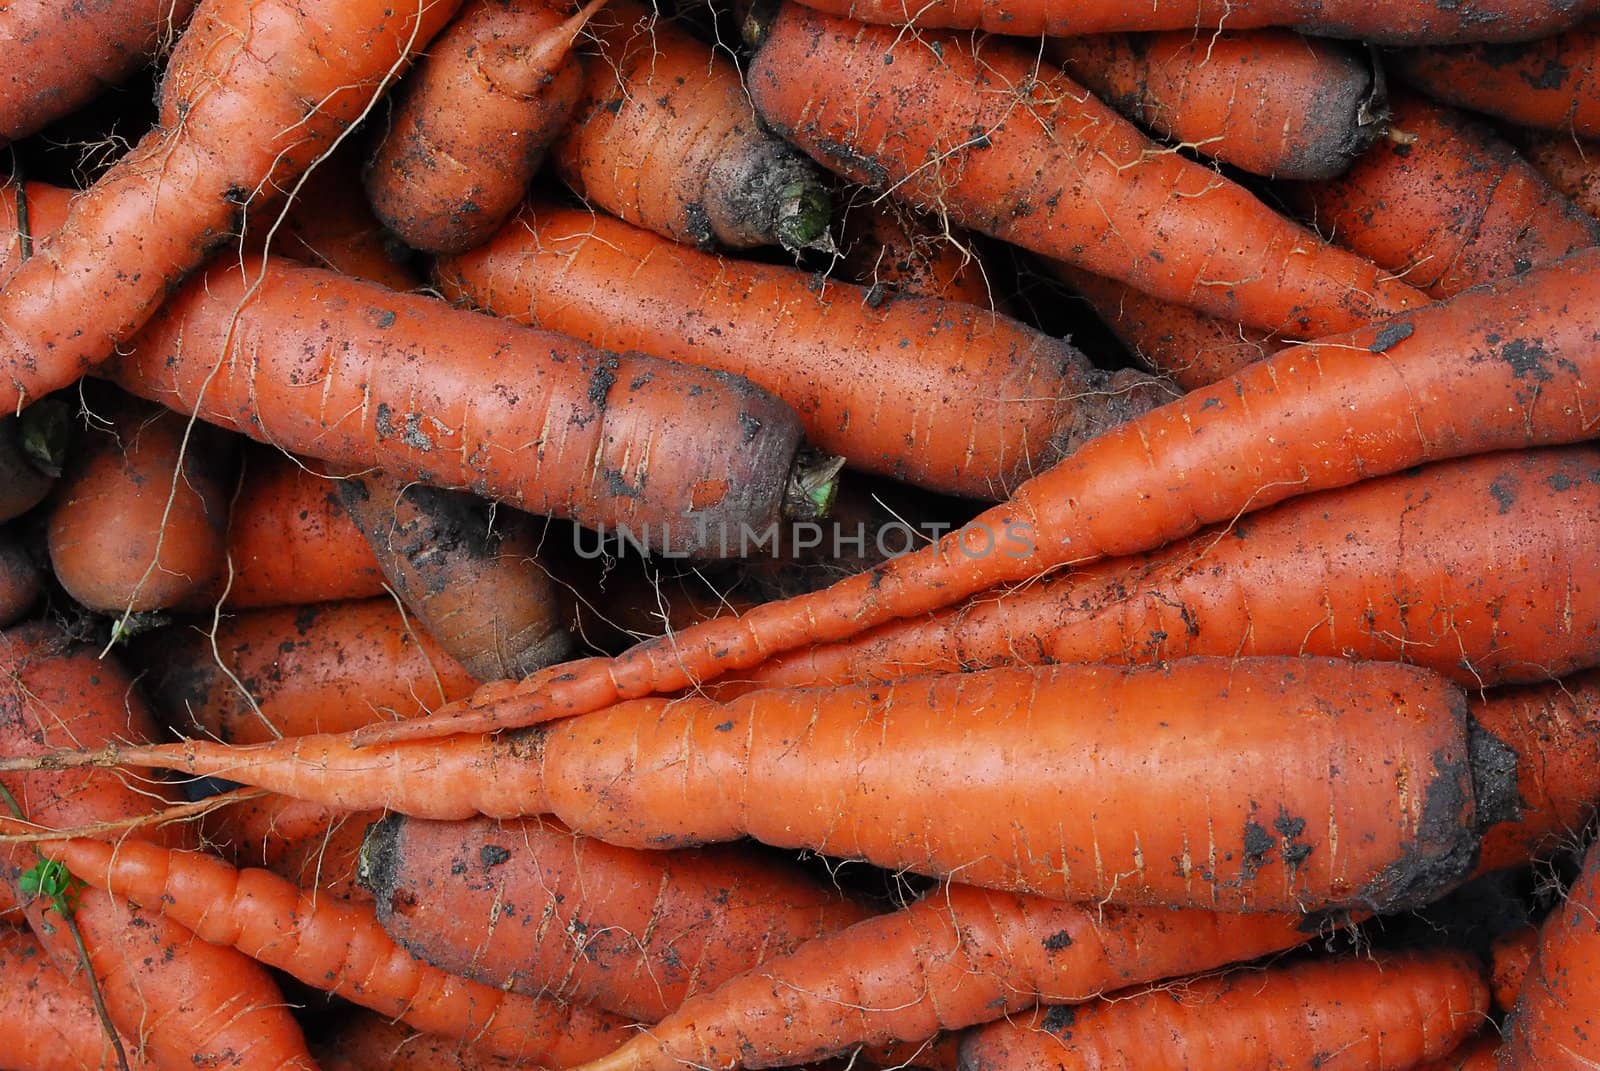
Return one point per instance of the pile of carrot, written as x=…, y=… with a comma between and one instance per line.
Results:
x=967, y=534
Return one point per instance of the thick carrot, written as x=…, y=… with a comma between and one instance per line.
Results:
x=1218, y=769
x=474, y=120
x=1269, y=101
x=1507, y=366
x=1369, y=1013
x=179, y=1001
x=890, y=250
x=972, y=128
x=325, y=668
x=530, y=906
x=141, y=519
x=1512, y=953
x=255, y=91
x=943, y=395
x=20, y=582
x=1549, y=84
x=50, y=1022
x=1445, y=203
x=1402, y=22
x=472, y=576
x=958, y=957
x=665, y=137
x=290, y=540
x=361, y=1041
x=336, y=947
x=1412, y=567
x=316, y=848
x=1571, y=166
x=359, y=376
x=1554, y=1026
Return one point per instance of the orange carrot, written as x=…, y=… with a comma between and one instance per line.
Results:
x=1512, y=953
x=1556, y=1024
x=360, y=376
x=971, y=128
x=1446, y=204
x=1269, y=101
x=51, y=1023
x=473, y=577
x=337, y=947
x=958, y=957
x=890, y=250
x=1571, y=166
x=1479, y=1054
x=474, y=120
x=20, y=582
x=1378, y=1013
x=664, y=137
x=315, y=848
x=255, y=92
x=329, y=224
x=361, y=1041
x=1549, y=83
x=942, y=395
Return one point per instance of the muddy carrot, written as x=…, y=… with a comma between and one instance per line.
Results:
x=1550, y=83
x=1553, y=1027
x=1512, y=954
x=890, y=250
x=1571, y=166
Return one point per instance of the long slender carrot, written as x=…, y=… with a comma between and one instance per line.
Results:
x=20, y=582
x=1549, y=83
x=957, y=957
x=1446, y=203
x=50, y=1023
x=1269, y=101
x=945, y=396
x=974, y=128
x=255, y=91
x=337, y=947
x=1379, y=1013
x=1508, y=366
x=1554, y=1026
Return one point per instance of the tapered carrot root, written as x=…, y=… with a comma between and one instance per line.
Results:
x=336, y=947
x=1556, y=1024
x=1513, y=952
x=363, y=377
x=1549, y=84
x=474, y=579
x=255, y=91
x=20, y=582
x=475, y=119
x=314, y=847
x=943, y=395
x=1446, y=204
x=1383, y=1013
x=293, y=671
x=644, y=929
x=50, y=1021
x=890, y=250
x=664, y=137
x=957, y=957
x=1268, y=101
x=973, y=129
x=179, y=1001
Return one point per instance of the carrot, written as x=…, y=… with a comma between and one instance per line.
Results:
x=1379, y=1013
x=1548, y=83
x=255, y=92
x=23, y=484
x=336, y=947
x=527, y=905
x=1412, y=567
x=362, y=1041
x=1446, y=203
x=1554, y=1025
x=1479, y=1054
x=296, y=670
x=1269, y=101
x=61, y=55
x=329, y=224
x=427, y=392
x=290, y=540
x=315, y=848
x=20, y=582
x=957, y=957
x=179, y=1001
x=141, y=520
x=1401, y=22
x=972, y=128
x=1512, y=953
x=474, y=120
x=890, y=250
x=51, y=1023
x=1192, y=349
x=473, y=578
x=1249, y=826
x=664, y=137
x=1571, y=166
x=945, y=396
x=1507, y=366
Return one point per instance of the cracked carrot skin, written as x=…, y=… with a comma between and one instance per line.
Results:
x=973, y=127
x=50, y=1021
x=1269, y=101
x=360, y=376
x=958, y=957
x=473, y=122
x=1380, y=1012
x=940, y=394
x=1446, y=204
x=337, y=947
x=528, y=905
x=1547, y=84
x=254, y=92
x=1556, y=1023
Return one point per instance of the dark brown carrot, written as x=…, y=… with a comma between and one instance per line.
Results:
x=20, y=581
